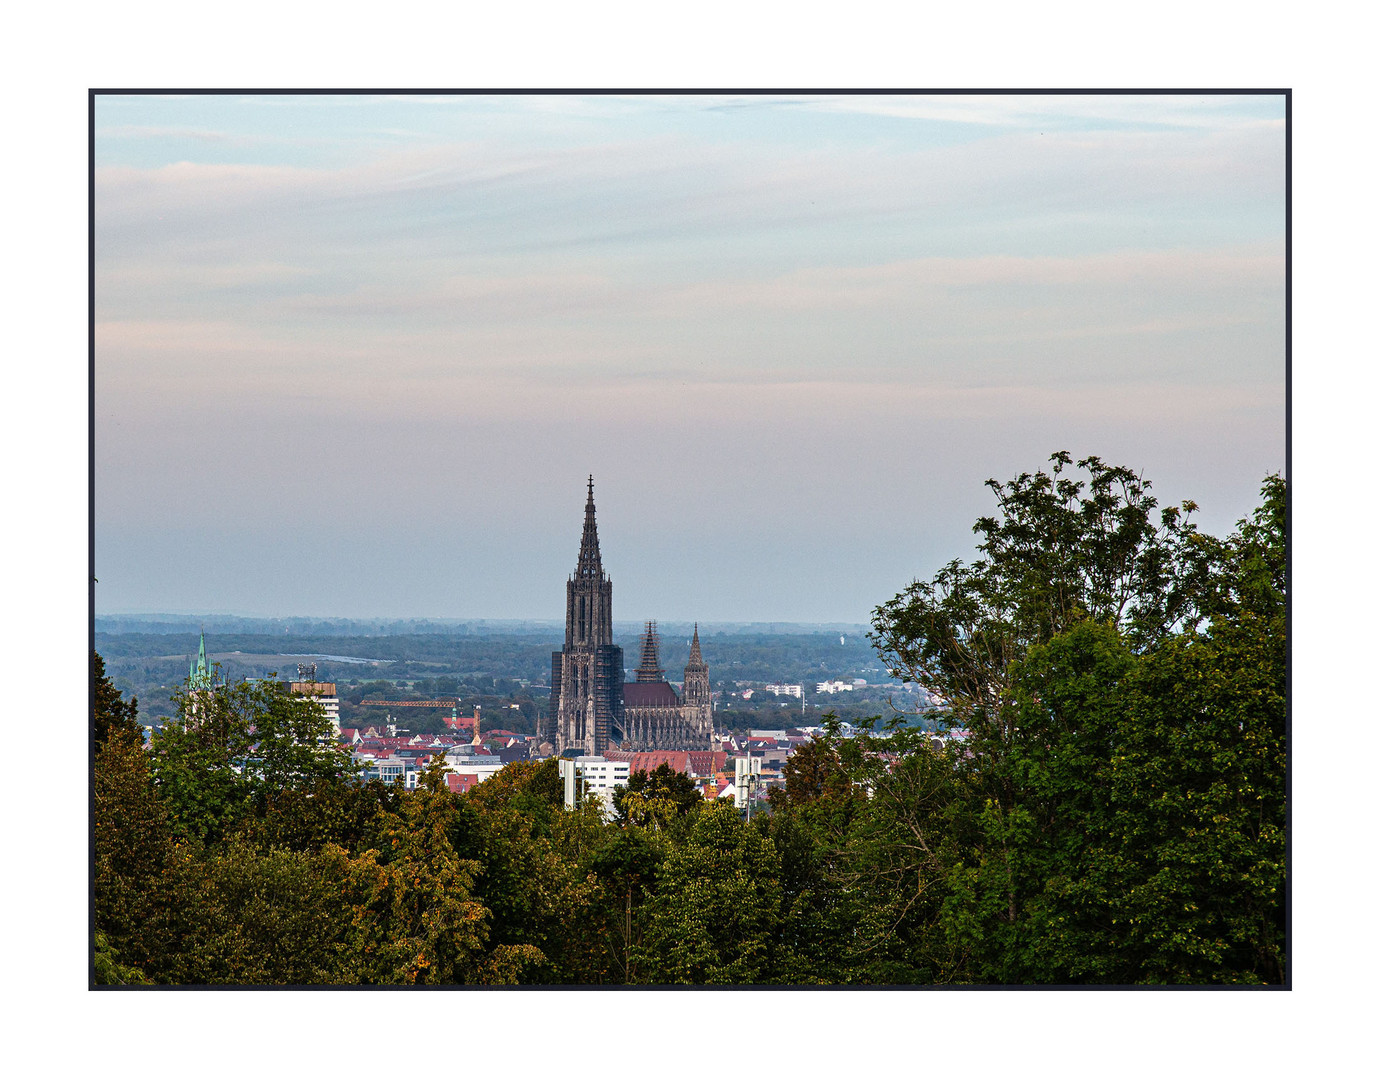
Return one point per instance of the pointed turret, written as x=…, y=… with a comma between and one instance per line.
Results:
x=698, y=696
x=200, y=673
x=650, y=669
x=588, y=564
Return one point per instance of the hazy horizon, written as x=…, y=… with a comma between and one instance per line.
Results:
x=358, y=354
x=194, y=618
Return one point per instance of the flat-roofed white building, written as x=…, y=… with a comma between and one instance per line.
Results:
x=592, y=775
x=463, y=759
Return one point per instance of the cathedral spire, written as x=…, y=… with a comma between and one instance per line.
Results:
x=696, y=659
x=588, y=564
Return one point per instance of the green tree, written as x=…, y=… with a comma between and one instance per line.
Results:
x=626, y=867
x=1192, y=861
x=1061, y=550
x=718, y=903
x=529, y=853
x=814, y=771
x=133, y=846
x=270, y=918
x=1118, y=813
x=111, y=713
x=109, y=971
x=235, y=746
x=656, y=799
x=414, y=917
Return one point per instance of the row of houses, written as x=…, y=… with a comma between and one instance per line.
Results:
x=797, y=690
x=385, y=755
x=742, y=767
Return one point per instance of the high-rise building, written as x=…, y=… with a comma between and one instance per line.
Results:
x=323, y=693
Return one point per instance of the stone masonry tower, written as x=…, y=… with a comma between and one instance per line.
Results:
x=587, y=674
x=698, y=699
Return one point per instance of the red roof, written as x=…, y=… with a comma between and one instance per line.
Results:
x=649, y=760
x=707, y=762
x=691, y=762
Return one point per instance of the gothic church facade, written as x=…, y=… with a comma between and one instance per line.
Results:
x=592, y=708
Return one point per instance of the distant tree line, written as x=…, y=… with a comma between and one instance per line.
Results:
x=152, y=666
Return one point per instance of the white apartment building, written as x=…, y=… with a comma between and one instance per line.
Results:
x=589, y=775
x=787, y=689
x=463, y=759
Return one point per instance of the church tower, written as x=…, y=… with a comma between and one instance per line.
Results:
x=587, y=674
x=199, y=677
x=200, y=684
x=698, y=699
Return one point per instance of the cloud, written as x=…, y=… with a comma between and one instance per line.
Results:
x=1207, y=111
x=639, y=190
x=150, y=131
x=893, y=283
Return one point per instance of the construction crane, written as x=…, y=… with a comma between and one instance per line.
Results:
x=451, y=704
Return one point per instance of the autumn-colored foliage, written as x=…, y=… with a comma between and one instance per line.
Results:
x=1113, y=811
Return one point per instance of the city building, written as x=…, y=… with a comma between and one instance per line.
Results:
x=697, y=764
x=592, y=775
x=464, y=759
x=747, y=773
x=785, y=689
x=391, y=770
x=587, y=674
x=323, y=693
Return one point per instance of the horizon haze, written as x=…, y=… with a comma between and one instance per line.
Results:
x=357, y=354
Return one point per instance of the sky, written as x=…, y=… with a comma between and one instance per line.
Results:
x=356, y=355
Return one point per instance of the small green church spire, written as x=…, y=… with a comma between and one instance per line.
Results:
x=199, y=677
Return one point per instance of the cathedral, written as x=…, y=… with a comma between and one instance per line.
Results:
x=592, y=708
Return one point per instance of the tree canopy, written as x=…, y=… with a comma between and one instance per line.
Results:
x=1104, y=801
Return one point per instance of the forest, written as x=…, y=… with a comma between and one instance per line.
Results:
x=1115, y=814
